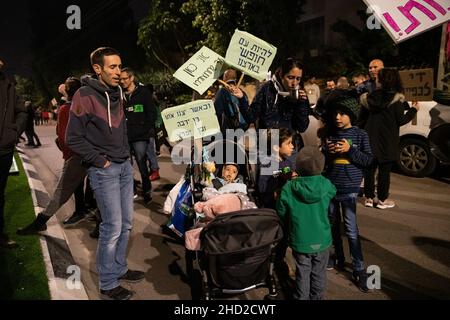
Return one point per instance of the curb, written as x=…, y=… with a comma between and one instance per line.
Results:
x=59, y=262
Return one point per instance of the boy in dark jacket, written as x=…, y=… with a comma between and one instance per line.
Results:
x=270, y=184
x=347, y=152
x=274, y=171
x=303, y=209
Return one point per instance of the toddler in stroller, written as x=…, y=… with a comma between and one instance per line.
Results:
x=228, y=195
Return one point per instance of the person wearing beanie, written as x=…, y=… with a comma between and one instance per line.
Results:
x=347, y=151
x=303, y=210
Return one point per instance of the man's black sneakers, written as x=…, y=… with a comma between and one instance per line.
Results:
x=118, y=293
x=133, y=276
x=75, y=218
x=6, y=242
x=39, y=224
x=147, y=198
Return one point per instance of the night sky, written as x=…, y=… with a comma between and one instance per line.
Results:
x=16, y=32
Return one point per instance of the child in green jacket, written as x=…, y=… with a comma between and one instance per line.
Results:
x=303, y=209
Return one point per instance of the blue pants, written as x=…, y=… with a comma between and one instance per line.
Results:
x=310, y=275
x=140, y=151
x=346, y=204
x=113, y=188
x=151, y=154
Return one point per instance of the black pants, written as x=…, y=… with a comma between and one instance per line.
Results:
x=383, y=183
x=5, y=165
x=31, y=136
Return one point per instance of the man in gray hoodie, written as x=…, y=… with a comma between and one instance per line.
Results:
x=97, y=132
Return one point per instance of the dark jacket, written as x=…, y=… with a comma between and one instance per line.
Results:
x=275, y=111
x=140, y=112
x=231, y=112
x=13, y=116
x=346, y=171
x=303, y=210
x=90, y=133
x=386, y=116
x=269, y=184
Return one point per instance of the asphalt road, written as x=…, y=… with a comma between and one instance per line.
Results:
x=410, y=243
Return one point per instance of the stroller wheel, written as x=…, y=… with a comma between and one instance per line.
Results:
x=196, y=286
x=271, y=297
x=206, y=296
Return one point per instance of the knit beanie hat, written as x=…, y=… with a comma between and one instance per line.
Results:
x=310, y=161
x=344, y=101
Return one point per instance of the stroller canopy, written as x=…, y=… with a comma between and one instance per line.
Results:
x=241, y=231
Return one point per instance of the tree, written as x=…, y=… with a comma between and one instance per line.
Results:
x=28, y=90
x=272, y=21
x=166, y=35
x=174, y=30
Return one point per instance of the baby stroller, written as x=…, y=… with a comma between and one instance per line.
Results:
x=238, y=251
x=237, y=248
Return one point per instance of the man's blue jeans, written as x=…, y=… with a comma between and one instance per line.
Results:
x=140, y=150
x=113, y=188
x=151, y=154
x=346, y=204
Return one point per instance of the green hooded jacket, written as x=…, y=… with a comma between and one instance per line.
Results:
x=303, y=210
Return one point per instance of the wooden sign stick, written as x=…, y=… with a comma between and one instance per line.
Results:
x=240, y=80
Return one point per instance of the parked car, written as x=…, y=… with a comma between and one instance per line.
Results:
x=416, y=158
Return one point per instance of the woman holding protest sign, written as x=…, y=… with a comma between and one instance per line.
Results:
x=231, y=104
x=281, y=102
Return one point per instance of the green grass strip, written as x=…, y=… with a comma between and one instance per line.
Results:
x=22, y=270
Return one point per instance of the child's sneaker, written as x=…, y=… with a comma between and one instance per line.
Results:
x=368, y=203
x=386, y=204
x=360, y=278
x=331, y=264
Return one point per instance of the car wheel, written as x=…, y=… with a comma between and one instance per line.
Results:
x=415, y=158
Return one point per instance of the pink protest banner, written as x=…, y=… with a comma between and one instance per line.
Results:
x=404, y=19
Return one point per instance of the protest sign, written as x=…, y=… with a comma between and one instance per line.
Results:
x=250, y=54
x=404, y=19
x=195, y=119
x=418, y=84
x=201, y=70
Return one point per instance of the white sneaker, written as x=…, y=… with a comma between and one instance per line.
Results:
x=369, y=203
x=386, y=204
